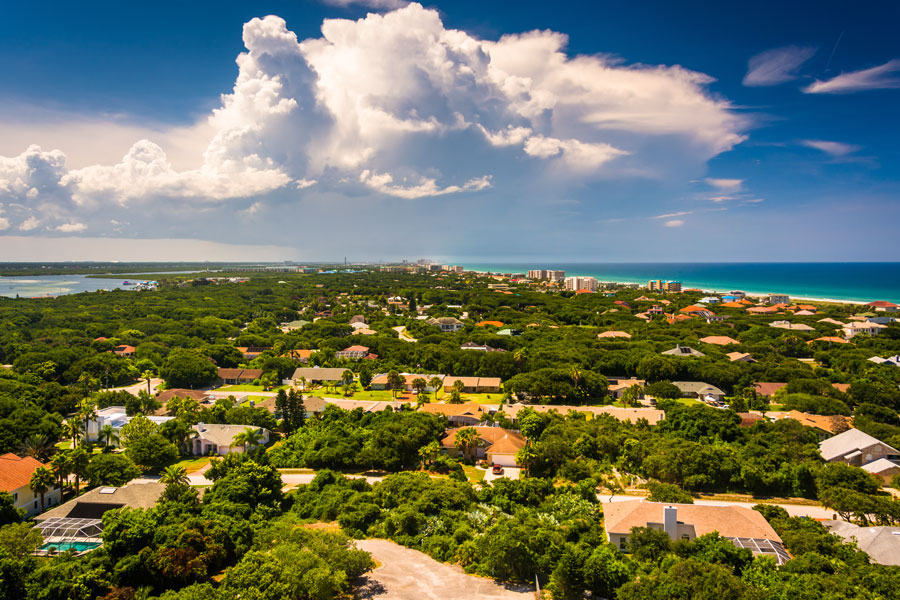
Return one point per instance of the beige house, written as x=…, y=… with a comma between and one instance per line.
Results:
x=219, y=439
x=474, y=385
x=15, y=479
x=744, y=527
x=499, y=446
x=856, y=448
x=856, y=328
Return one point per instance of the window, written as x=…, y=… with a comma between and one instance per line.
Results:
x=15, y=496
x=685, y=537
x=35, y=503
x=623, y=543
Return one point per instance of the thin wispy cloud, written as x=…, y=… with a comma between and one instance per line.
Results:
x=376, y=4
x=674, y=223
x=836, y=149
x=776, y=66
x=671, y=215
x=881, y=77
x=724, y=185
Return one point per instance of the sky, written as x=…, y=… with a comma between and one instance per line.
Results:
x=455, y=130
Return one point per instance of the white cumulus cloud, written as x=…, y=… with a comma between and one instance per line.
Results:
x=777, y=65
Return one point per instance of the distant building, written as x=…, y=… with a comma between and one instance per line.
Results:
x=773, y=299
x=499, y=446
x=115, y=417
x=882, y=544
x=219, y=439
x=556, y=276
x=856, y=328
x=447, y=324
x=883, y=306
x=238, y=376
x=684, y=351
x=660, y=285
x=353, y=352
x=699, y=390
x=573, y=284
x=537, y=274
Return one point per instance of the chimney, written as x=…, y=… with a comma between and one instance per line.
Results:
x=670, y=521
x=201, y=427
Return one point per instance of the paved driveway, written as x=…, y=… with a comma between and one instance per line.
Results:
x=407, y=574
x=508, y=473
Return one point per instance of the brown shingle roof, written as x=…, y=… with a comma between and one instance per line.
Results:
x=729, y=521
x=719, y=340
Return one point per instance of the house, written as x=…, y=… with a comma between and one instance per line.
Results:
x=251, y=352
x=740, y=357
x=499, y=446
x=219, y=439
x=632, y=415
x=238, y=376
x=474, y=385
x=883, y=468
x=80, y=520
x=829, y=339
x=791, y=326
x=883, y=306
x=480, y=347
x=856, y=448
x=767, y=389
x=364, y=331
x=744, y=527
x=856, y=328
x=824, y=425
x=470, y=413
x=655, y=310
x=124, y=350
x=700, y=311
x=367, y=406
x=115, y=417
x=617, y=387
x=749, y=419
x=510, y=332
x=683, y=351
x=699, y=390
x=891, y=361
x=614, y=334
x=200, y=396
x=15, y=480
x=293, y=326
x=447, y=324
x=357, y=320
x=709, y=300
x=380, y=382
x=299, y=355
x=353, y=352
x=719, y=340
x=312, y=405
x=882, y=544
x=778, y=299
x=497, y=324
x=832, y=321
x=316, y=375
x=762, y=310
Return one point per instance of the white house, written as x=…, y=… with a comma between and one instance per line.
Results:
x=219, y=439
x=862, y=327
x=116, y=417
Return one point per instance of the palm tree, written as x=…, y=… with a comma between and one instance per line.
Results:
x=73, y=429
x=466, y=440
x=246, y=438
x=396, y=381
x=87, y=413
x=41, y=480
x=436, y=383
x=174, y=475
x=147, y=375
x=525, y=457
x=78, y=462
x=62, y=467
x=108, y=436
x=419, y=384
x=347, y=376
x=38, y=446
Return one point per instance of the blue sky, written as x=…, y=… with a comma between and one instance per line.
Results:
x=469, y=130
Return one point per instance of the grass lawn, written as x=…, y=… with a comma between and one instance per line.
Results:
x=474, y=474
x=193, y=464
x=64, y=445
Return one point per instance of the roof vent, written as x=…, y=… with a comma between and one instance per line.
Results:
x=108, y=490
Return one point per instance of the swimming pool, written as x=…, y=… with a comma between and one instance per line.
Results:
x=63, y=546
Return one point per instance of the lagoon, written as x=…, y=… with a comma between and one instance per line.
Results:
x=39, y=286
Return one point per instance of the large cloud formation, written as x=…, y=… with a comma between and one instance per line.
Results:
x=395, y=105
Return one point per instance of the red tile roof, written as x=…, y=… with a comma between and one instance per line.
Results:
x=15, y=471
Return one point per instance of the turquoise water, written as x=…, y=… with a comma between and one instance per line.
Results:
x=860, y=282
x=34, y=286
x=76, y=546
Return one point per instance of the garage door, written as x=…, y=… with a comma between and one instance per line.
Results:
x=507, y=460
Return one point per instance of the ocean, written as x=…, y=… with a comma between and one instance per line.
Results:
x=846, y=282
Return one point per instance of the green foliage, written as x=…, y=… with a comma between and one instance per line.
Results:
x=111, y=469
x=187, y=368
x=666, y=492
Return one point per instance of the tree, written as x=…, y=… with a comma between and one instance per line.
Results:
x=649, y=544
x=38, y=446
x=429, y=452
x=147, y=376
x=137, y=429
x=108, y=436
x=395, y=381
x=662, y=389
x=667, y=492
x=631, y=395
x=61, y=464
x=347, y=377
x=42, y=480
x=73, y=429
x=188, y=368
x=365, y=378
x=466, y=440
x=248, y=438
x=8, y=511
x=289, y=406
x=111, y=469
x=174, y=475
x=419, y=384
x=435, y=383
x=79, y=460
x=152, y=452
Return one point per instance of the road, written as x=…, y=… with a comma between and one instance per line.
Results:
x=404, y=335
x=290, y=480
x=407, y=574
x=134, y=388
x=795, y=510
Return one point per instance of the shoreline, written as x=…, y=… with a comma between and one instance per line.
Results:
x=749, y=294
